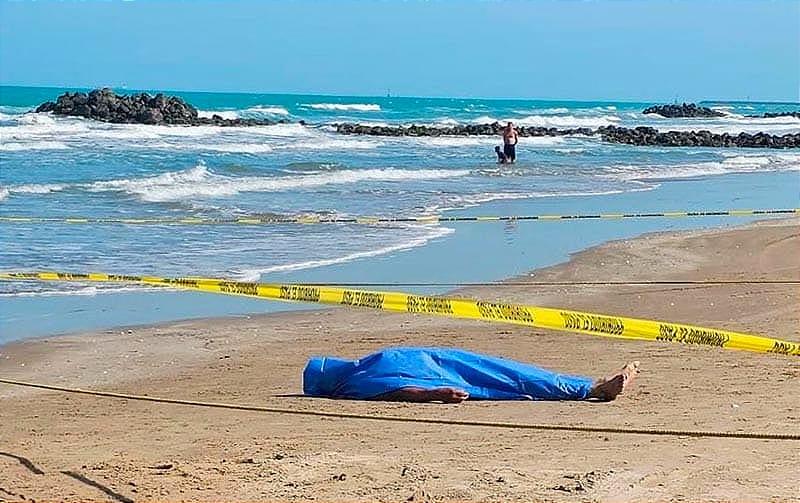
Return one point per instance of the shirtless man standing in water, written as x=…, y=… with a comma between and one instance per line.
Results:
x=510, y=139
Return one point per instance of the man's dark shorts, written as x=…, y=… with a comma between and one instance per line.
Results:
x=510, y=151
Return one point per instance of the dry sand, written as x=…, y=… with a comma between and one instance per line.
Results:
x=69, y=447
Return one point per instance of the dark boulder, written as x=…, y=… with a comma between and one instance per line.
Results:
x=772, y=115
x=107, y=106
x=47, y=106
x=682, y=110
x=649, y=136
x=642, y=135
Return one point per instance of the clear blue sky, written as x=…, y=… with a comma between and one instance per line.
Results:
x=625, y=50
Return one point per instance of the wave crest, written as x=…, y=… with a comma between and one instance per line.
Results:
x=32, y=145
x=35, y=188
x=267, y=109
x=732, y=163
x=556, y=121
x=567, y=121
x=358, y=107
x=200, y=182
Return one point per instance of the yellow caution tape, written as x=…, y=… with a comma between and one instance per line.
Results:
x=557, y=319
x=258, y=220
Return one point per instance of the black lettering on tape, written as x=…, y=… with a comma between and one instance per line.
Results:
x=356, y=298
x=667, y=332
x=182, y=282
x=238, y=287
x=570, y=321
x=510, y=312
x=785, y=348
x=68, y=276
x=430, y=305
x=301, y=293
x=691, y=335
x=25, y=275
x=117, y=277
x=593, y=323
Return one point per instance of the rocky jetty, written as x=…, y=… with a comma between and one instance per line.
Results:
x=771, y=115
x=107, y=106
x=651, y=136
x=682, y=110
x=613, y=134
x=462, y=130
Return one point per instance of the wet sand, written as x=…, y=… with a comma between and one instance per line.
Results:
x=73, y=447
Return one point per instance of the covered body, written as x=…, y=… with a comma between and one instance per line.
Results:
x=484, y=377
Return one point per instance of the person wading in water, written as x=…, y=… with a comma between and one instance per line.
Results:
x=510, y=139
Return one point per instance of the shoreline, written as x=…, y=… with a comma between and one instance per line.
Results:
x=230, y=455
x=541, y=272
x=459, y=256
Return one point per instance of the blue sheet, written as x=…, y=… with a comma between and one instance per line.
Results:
x=484, y=377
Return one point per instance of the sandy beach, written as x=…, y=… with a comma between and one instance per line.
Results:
x=56, y=446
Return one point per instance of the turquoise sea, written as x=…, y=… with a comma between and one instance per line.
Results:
x=65, y=167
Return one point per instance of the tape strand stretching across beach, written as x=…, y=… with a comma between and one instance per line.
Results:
x=557, y=319
x=262, y=220
x=421, y=420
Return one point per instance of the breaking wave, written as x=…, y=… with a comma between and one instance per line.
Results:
x=267, y=109
x=730, y=163
x=32, y=145
x=358, y=107
x=200, y=182
x=556, y=121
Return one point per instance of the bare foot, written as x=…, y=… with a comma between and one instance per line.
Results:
x=607, y=389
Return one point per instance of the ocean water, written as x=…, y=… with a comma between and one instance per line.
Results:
x=66, y=167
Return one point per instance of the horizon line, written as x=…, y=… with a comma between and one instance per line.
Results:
x=164, y=90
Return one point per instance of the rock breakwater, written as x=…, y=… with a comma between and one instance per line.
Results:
x=644, y=136
x=682, y=110
x=107, y=106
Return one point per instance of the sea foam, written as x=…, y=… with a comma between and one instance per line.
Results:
x=33, y=145
x=430, y=234
x=459, y=202
x=85, y=291
x=358, y=107
x=567, y=121
x=35, y=188
x=267, y=110
x=200, y=182
x=556, y=121
x=744, y=163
